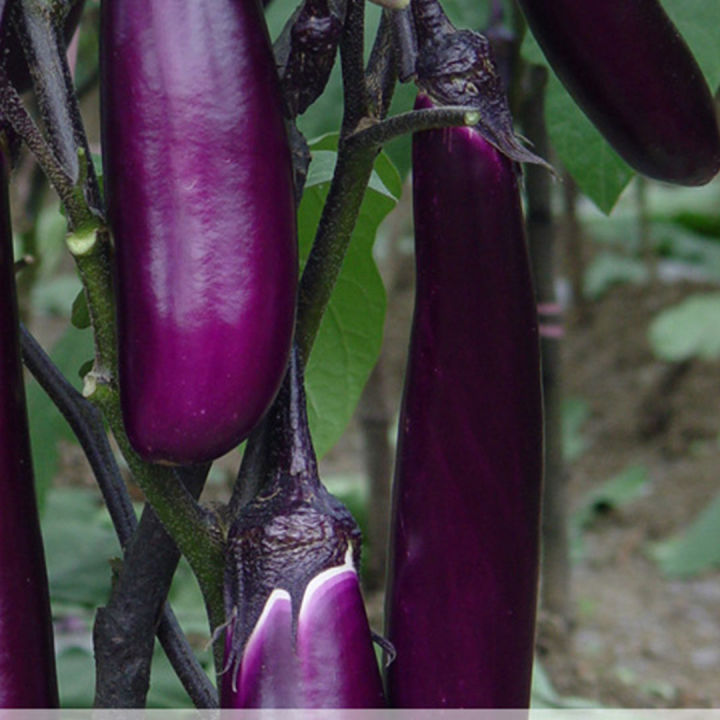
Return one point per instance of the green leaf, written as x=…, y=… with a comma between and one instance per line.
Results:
x=350, y=336
x=54, y=295
x=187, y=601
x=166, y=690
x=699, y=23
x=76, y=677
x=47, y=425
x=694, y=549
x=688, y=329
x=80, y=316
x=79, y=543
x=598, y=170
x=628, y=485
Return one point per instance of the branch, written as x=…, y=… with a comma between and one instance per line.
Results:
x=377, y=135
x=337, y=222
x=347, y=189
x=125, y=627
x=86, y=422
x=352, y=48
x=405, y=42
x=40, y=27
x=15, y=113
x=191, y=527
x=381, y=73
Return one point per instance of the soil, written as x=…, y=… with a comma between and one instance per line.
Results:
x=639, y=638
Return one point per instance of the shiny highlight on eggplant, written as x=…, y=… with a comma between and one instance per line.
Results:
x=198, y=179
x=466, y=497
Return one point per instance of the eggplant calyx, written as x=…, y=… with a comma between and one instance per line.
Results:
x=457, y=67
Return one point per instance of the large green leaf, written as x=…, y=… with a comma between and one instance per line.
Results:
x=689, y=329
x=699, y=23
x=350, y=336
x=693, y=550
x=47, y=425
x=79, y=545
x=598, y=170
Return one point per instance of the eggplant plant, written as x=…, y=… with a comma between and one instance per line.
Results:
x=195, y=290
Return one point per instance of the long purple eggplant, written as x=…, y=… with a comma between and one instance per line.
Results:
x=298, y=636
x=200, y=196
x=466, y=498
x=27, y=659
x=628, y=68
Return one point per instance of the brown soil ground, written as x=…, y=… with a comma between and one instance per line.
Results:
x=639, y=638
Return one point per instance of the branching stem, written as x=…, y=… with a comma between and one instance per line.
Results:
x=377, y=135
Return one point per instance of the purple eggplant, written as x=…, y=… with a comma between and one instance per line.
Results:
x=200, y=198
x=306, y=49
x=27, y=660
x=630, y=71
x=466, y=497
x=298, y=635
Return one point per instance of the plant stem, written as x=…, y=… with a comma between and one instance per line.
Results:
x=191, y=527
x=40, y=25
x=92, y=251
x=555, y=585
x=414, y=121
x=352, y=46
x=352, y=174
x=17, y=116
x=86, y=422
x=381, y=71
x=125, y=627
x=404, y=42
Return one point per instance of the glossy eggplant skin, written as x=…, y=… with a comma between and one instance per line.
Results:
x=298, y=634
x=328, y=662
x=466, y=497
x=630, y=71
x=200, y=198
x=27, y=659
